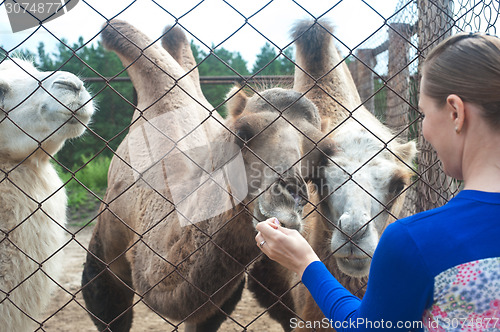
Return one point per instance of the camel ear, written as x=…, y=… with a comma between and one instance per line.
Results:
x=236, y=101
x=317, y=159
x=406, y=151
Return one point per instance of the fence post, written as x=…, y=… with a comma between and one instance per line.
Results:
x=435, y=19
x=361, y=71
x=398, y=78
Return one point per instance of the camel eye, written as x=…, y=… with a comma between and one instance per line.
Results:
x=245, y=133
x=396, y=186
x=328, y=150
x=3, y=92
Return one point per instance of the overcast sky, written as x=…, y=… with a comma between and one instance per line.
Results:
x=212, y=21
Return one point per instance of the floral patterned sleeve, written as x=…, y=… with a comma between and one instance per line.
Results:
x=466, y=298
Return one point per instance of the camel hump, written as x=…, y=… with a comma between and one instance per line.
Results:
x=152, y=69
x=124, y=39
x=174, y=40
x=176, y=43
x=313, y=38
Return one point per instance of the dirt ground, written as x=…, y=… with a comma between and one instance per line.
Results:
x=66, y=311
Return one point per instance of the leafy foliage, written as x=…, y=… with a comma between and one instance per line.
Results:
x=269, y=62
x=84, y=186
x=219, y=62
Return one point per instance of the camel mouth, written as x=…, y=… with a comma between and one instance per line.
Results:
x=285, y=200
x=354, y=266
x=259, y=215
x=74, y=104
x=75, y=118
x=76, y=114
x=80, y=118
x=288, y=219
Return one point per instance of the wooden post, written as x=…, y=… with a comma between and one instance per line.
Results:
x=398, y=79
x=434, y=188
x=362, y=74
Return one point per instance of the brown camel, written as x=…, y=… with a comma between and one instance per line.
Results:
x=167, y=230
x=361, y=188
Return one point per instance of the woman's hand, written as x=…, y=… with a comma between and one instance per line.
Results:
x=285, y=246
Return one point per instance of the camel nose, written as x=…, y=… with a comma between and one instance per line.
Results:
x=354, y=225
x=289, y=220
x=285, y=200
x=68, y=82
x=295, y=186
x=294, y=189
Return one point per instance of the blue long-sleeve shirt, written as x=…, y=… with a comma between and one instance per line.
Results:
x=437, y=270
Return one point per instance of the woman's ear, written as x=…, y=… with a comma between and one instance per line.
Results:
x=457, y=111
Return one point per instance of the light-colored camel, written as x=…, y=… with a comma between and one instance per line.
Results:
x=38, y=112
x=161, y=234
x=360, y=188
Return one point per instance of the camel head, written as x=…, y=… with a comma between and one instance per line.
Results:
x=363, y=190
x=39, y=109
x=362, y=185
x=276, y=130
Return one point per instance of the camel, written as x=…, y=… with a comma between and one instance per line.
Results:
x=360, y=188
x=39, y=111
x=168, y=232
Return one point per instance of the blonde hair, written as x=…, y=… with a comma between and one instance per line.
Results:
x=467, y=65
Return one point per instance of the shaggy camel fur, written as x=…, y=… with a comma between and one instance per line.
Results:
x=185, y=263
x=38, y=112
x=361, y=186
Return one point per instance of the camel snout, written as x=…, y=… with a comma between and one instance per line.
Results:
x=285, y=199
x=353, y=225
x=353, y=242
x=72, y=99
x=294, y=186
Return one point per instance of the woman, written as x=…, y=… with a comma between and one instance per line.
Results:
x=438, y=270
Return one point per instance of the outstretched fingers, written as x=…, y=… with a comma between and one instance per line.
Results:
x=285, y=246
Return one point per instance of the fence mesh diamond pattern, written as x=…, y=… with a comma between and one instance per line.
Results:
x=146, y=222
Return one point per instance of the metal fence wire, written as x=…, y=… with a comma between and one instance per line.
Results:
x=170, y=245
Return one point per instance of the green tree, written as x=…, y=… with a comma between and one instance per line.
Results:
x=23, y=54
x=218, y=62
x=270, y=62
x=44, y=59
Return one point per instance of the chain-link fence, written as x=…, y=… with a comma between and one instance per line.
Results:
x=175, y=168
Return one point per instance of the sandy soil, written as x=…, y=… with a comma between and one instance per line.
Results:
x=66, y=311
